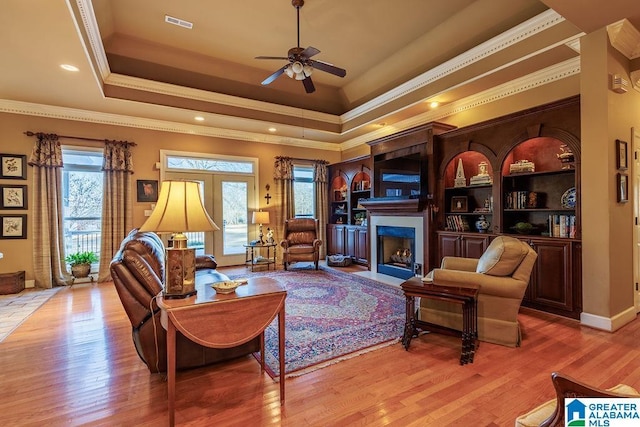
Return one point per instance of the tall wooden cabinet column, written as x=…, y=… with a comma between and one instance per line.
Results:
x=349, y=184
x=533, y=161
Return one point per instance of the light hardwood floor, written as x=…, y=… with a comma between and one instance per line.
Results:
x=73, y=363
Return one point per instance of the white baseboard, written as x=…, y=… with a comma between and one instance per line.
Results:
x=29, y=283
x=609, y=324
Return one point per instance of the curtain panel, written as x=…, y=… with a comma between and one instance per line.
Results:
x=320, y=172
x=283, y=176
x=117, y=213
x=49, y=268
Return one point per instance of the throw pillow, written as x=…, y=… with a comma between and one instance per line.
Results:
x=502, y=257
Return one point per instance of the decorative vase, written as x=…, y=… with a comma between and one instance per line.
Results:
x=482, y=225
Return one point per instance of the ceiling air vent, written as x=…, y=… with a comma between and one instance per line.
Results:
x=179, y=22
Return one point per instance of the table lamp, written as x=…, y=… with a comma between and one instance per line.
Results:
x=260, y=218
x=179, y=209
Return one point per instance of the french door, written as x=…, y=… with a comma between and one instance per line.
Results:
x=228, y=198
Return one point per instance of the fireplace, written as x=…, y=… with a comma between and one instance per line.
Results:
x=396, y=249
x=409, y=225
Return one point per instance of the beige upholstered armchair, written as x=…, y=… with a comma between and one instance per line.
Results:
x=301, y=241
x=502, y=273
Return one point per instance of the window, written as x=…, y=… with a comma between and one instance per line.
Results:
x=175, y=162
x=82, y=199
x=303, y=191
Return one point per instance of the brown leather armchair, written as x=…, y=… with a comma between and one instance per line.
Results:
x=301, y=241
x=137, y=270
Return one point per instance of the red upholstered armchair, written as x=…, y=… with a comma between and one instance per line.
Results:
x=301, y=241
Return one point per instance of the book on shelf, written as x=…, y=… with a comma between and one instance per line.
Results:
x=562, y=226
x=457, y=223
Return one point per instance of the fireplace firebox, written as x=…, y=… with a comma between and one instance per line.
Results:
x=396, y=250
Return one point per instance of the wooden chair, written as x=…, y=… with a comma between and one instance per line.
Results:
x=551, y=413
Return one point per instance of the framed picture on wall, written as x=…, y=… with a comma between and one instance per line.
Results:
x=623, y=188
x=147, y=190
x=13, y=226
x=622, y=161
x=13, y=197
x=13, y=166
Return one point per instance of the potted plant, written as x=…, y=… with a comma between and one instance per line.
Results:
x=80, y=263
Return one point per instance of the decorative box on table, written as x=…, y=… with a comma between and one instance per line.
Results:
x=11, y=283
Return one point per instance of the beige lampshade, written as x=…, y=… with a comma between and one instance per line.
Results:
x=260, y=217
x=179, y=209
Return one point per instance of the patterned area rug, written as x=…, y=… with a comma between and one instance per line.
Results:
x=331, y=316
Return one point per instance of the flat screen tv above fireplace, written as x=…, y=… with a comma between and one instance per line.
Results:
x=399, y=177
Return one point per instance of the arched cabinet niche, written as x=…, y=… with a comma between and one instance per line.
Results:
x=468, y=193
x=539, y=189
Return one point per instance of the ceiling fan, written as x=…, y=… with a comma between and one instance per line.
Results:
x=300, y=64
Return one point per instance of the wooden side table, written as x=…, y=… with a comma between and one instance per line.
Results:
x=467, y=297
x=223, y=321
x=250, y=255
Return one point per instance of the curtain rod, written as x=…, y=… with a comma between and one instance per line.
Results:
x=29, y=133
x=299, y=158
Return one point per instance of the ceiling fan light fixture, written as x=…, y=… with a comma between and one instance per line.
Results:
x=288, y=71
x=297, y=67
x=307, y=69
x=301, y=66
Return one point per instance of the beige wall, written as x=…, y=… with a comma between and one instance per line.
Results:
x=606, y=224
x=17, y=253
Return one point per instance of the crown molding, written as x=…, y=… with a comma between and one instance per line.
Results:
x=625, y=38
x=548, y=75
x=635, y=79
x=64, y=113
x=216, y=98
x=529, y=28
x=545, y=76
x=89, y=23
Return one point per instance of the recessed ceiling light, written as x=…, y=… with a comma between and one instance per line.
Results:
x=272, y=129
x=434, y=104
x=69, y=67
x=199, y=118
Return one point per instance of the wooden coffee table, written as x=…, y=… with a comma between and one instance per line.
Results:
x=467, y=297
x=223, y=321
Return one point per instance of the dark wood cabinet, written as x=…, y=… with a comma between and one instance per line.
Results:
x=470, y=245
x=348, y=240
x=361, y=252
x=551, y=286
x=336, y=239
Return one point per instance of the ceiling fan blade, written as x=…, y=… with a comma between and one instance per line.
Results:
x=308, y=85
x=309, y=52
x=272, y=57
x=274, y=76
x=332, y=69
